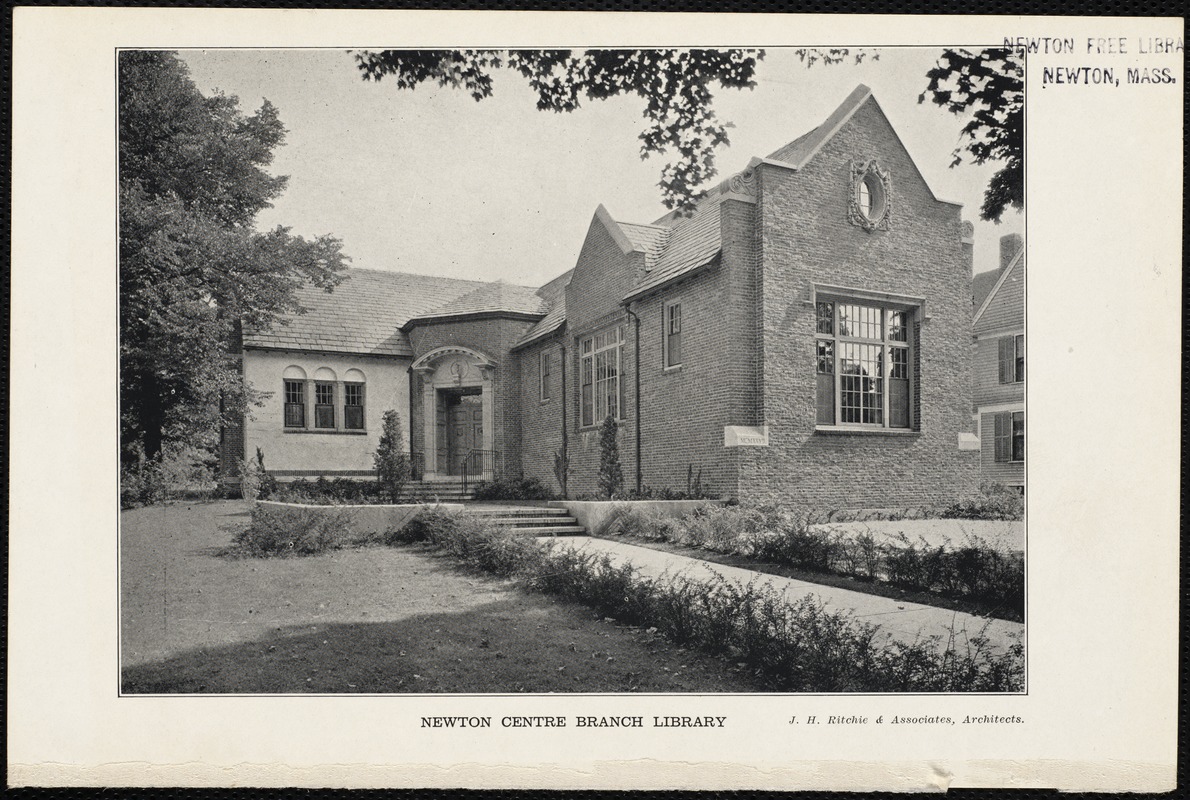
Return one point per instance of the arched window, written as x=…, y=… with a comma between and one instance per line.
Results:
x=294, y=389
x=354, y=398
x=324, y=398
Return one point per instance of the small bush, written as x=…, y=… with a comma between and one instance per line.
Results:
x=287, y=531
x=995, y=501
x=514, y=489
x=611, y=477
x=143, y=484
x=391, y=460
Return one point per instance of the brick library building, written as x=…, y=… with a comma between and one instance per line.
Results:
x=803, y=337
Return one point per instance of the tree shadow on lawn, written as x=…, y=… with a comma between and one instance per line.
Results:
x=506, y=646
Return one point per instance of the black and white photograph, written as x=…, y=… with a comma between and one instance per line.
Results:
x=529, y=419
x=585, y=400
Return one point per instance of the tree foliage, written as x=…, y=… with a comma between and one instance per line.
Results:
x=676, y=86
x=611, y=476
x=391, y=460
x=192, y=266
x=988, y=85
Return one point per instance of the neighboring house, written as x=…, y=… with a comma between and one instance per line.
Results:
x=802, y=337
x=999, y=333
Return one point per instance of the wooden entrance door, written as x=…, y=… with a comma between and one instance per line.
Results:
x=464, y=429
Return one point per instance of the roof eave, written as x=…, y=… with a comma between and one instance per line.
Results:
x=668, y=282
x=435, y=319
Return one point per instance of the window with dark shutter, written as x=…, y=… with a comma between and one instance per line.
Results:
x=1018, y=436
x=1007, y=359
x=1003, y=440
x=1018, y=364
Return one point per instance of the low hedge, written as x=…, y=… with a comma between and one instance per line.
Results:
x=788, y=646
x=973, y=571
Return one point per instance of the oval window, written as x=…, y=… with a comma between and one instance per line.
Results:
x=871, y=197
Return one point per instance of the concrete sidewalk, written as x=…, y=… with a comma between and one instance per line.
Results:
x=905, y=622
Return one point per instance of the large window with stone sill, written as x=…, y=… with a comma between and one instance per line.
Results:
x=864, y=359
x=599, y=376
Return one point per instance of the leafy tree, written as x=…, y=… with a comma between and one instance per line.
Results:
x=611, y=477
x=192, y=267
x=391, y=460
x=676, y=86
x=990, y=86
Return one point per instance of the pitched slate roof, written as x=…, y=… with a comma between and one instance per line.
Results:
x=364, y=313
x=489, y=298
x=694, y=241
x=554, y=296
x=650, y=238
x=981, y=284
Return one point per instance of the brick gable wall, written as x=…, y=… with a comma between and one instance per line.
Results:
x=806, y=238
x=602, y=276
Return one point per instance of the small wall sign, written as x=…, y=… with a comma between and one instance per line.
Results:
x=745, y=436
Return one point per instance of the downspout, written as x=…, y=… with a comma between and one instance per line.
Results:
x=565, y=440
x=636, y=380
x=409, y=383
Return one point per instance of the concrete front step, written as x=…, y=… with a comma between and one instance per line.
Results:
x=532, y=522
x=560, y=530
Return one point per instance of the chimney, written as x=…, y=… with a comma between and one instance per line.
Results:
x=1010, y=245
x=968, y=244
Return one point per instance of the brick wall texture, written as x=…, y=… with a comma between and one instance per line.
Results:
x=748, y=346
x=805, y=239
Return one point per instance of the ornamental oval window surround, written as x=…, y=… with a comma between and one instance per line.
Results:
x=871, y=196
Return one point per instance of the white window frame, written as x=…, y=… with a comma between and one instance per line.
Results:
x=667, y=320
x=589, y=352
x=912, y=310
x=544, y=374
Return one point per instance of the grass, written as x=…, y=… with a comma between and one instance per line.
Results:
x=372, y=620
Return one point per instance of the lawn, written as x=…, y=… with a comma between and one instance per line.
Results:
x=373, y=620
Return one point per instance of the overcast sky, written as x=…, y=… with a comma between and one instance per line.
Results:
x=429, y=181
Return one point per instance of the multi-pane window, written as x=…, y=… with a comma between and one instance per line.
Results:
x=324, y=405
x=1012, y=358
x=353, y=406
x=295, y=404
x=1010, y=436
x=599, y=376
x=863, y=363
x=673, y=334
x=545, y=375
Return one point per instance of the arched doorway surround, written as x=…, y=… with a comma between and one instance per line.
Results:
x=457, y=406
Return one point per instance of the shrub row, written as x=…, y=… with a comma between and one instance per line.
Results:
x=974, y=571
x=994, y=501
x=514, y=489
x=787, y=646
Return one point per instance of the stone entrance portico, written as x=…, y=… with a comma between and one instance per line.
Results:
x=455, y=379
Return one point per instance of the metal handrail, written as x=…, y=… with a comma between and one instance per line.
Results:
x=480, y=465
